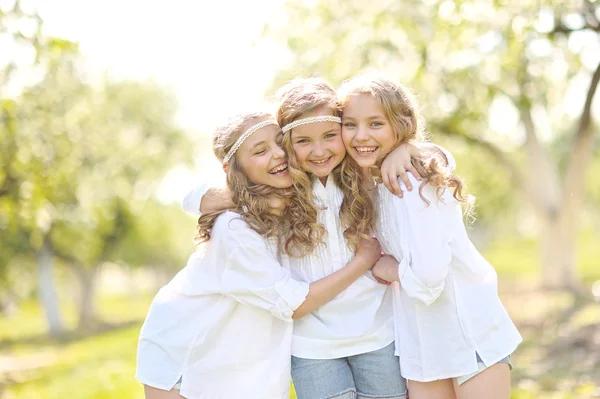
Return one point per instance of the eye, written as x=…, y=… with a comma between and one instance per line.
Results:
x=302, y=141
x=376, y=124
x=330, y=135
x=349, y=124
x=260, y=152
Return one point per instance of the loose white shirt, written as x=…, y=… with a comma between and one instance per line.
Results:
x=224, y=323
x=447, y=307
x=360, y=319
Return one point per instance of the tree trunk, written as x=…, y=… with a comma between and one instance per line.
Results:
x=88, y=319
x=47, y=289
x=8, y=304
x=557, y=245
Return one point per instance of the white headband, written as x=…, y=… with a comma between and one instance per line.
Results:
x=247, y=134
x=313, y=119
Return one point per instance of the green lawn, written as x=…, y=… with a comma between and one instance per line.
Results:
x=515, y=258
x=90, y=367
x=102, y=365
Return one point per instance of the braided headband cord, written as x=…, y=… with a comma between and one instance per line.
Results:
x=313, y=119
x=247, y=134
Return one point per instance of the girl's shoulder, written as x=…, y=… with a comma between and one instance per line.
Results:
x=231, y=228
x=421, y=193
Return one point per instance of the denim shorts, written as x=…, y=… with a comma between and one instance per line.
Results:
x=368, y=375
x=481, y=366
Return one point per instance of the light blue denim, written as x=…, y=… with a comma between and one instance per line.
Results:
x=368, y=375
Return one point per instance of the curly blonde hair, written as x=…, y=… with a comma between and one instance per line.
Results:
x=401, y=109
x=296, y=98
x=252, y=201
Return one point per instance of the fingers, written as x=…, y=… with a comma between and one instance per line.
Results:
x=414, y=172
x=390, y=180
x=391, y=184
x=382, y=281
x=404, y=177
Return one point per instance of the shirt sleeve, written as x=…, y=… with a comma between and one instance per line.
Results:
x=254, y=279
x=424, y=267
x=253, y=276
x=191, y=201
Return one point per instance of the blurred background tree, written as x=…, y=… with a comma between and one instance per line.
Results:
x=76, y=160
x=91, y=164
x=470, y=62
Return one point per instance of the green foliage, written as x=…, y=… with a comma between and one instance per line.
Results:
x=79, y=160
x=161, y=237
x=464, y=59
x=74, y=155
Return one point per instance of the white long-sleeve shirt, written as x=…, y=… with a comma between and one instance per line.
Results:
x=447, y=307
x=224, y=323
x=358, y=320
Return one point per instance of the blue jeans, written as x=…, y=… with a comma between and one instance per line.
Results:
x=368, y=375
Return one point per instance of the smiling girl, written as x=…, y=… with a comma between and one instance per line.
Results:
x=345, y=348
x=222, y=328
x=453, y=336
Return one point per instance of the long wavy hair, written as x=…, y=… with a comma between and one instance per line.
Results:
x=252, y=201
x=401, y=109
x=296, y=98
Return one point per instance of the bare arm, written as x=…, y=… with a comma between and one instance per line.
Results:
x=216, y=200
x=321, y=291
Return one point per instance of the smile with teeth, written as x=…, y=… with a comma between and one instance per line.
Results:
x=365, y=150
x=279, y=169
x=320, y=161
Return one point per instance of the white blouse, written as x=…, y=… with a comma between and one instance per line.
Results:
x=447, y=307
x=358, y=320
x=224, y=323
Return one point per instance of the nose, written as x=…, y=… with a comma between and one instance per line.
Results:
x=278, y=152
x=318, y=150
x=361, y=134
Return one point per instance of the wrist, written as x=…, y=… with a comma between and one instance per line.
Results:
x=364, y=262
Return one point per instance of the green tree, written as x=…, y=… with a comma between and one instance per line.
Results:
x=23, y=221
x=74, y=158
x=464, y=59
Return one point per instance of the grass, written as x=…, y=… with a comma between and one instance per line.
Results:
x=102, y=365
x=517, y=258
x=78, y=367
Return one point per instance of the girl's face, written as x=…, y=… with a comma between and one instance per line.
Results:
x=318, y=147
x=368, y=135
x=263, y=160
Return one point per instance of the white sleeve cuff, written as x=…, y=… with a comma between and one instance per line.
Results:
x=292, y=294
x=191, y=201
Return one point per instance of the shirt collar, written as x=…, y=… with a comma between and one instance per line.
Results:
x=322, y=192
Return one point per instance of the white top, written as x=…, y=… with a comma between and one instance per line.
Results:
x=446, y=307
x=358, y=320
x=224, y=323
x=191, y=201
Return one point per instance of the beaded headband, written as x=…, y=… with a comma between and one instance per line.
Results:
x=313, y=119
x=247, y=134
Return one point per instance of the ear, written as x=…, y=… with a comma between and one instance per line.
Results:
x=225, y=166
